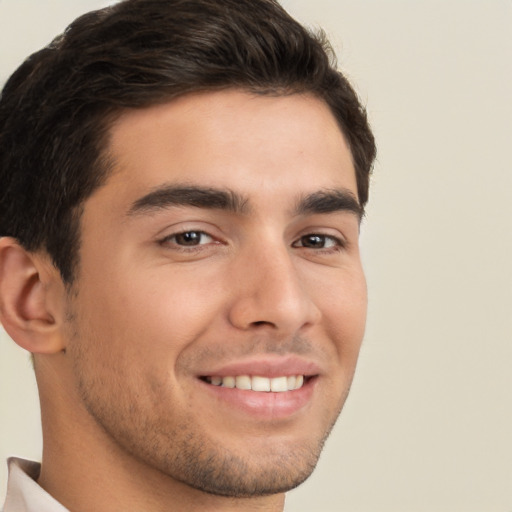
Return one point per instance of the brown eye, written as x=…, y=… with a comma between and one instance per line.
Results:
x=313, y=241
x=318, y=241
x=189, y=238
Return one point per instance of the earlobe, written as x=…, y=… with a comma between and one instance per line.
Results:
x=28, y=310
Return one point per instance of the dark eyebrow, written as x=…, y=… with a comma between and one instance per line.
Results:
x=329, y=201
x=189, y=195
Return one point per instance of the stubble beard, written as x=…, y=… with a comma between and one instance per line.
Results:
x=193, y=458
x=184, y=454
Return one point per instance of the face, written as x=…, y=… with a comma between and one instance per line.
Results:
x=220, y=301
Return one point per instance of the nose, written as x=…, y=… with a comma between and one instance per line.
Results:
x=270, y=293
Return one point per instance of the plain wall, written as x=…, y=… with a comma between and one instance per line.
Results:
x=428, y=425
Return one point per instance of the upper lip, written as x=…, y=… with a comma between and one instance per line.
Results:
x=269, y=366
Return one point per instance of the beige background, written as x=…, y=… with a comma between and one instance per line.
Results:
x=428, y=426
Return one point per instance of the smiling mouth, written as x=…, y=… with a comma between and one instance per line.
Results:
x=258, y=383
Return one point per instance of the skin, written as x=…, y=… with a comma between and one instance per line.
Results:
x=269, y=282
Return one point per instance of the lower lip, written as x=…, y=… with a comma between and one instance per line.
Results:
x=264, y=405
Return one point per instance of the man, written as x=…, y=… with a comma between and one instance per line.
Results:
x=182, y=183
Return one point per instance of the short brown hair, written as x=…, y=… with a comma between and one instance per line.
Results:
x=56, y=109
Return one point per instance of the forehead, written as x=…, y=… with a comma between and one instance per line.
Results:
x=246, y=142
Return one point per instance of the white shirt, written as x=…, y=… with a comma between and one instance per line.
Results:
x=23, y=492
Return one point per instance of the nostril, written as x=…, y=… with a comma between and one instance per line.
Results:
x=261, y=322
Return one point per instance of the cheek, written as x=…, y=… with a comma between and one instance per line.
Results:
x=149, y=315
x=345, y=307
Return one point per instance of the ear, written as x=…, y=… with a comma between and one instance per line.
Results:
x=31, y=299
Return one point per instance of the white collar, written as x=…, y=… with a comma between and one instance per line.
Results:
x=23, y=492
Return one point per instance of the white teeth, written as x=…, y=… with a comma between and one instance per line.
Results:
x=243, y=382
x=216, y=381
x=258, y=383
x=279, y=384
x=228, y=382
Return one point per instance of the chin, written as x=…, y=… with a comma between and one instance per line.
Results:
x=236, y=478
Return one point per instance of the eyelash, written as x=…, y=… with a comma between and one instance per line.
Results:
x=338, y=243
x=192, y=247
